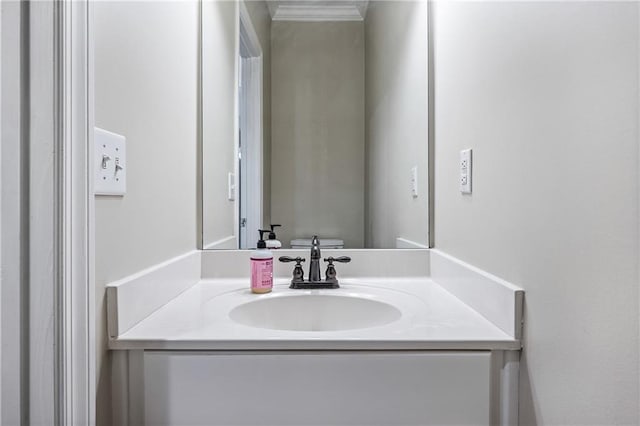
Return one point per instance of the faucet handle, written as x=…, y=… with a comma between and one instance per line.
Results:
x=330, y=274
x=341, y=259
x=298, y=273
x=287, y=259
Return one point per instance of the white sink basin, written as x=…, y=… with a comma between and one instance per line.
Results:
x=314, y=312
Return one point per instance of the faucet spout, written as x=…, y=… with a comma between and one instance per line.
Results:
x=314, y=266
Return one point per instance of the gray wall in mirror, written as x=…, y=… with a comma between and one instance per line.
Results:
x=318, y=152
x=344, y=120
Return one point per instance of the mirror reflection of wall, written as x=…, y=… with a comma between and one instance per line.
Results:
x=219, y=122
x=315, y=117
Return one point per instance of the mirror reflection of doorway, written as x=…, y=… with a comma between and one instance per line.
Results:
x=249, y=149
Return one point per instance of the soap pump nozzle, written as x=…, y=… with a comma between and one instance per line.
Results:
x=272, y=233
x=261, y=243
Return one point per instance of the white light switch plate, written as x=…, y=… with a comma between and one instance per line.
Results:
x=231, y=186
x=110, y=163
x=465, y=171
x=414, y=181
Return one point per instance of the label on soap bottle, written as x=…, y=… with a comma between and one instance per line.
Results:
x=261, y=274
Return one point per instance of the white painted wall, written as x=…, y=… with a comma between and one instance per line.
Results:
x=317, y=143
x=146, y=68
x=219, y=119
x=546, y=94
x=396, y=122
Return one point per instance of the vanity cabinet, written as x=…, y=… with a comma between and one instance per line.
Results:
x=183, y=358
x=309, y=388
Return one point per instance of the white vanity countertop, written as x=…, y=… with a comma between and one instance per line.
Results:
x=198, y=319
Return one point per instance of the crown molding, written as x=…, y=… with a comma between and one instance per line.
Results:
x=317, y=11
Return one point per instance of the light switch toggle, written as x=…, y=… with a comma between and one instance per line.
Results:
x=105, y=160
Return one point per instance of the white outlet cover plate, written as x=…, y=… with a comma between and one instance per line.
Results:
x=465, y=171
x=110, y=163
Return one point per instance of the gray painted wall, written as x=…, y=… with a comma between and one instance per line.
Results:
x=546, y=94
x=146, y=68
x=317, y=144
x=396, y=122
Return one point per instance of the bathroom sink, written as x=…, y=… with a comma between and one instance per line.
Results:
x=314, y=312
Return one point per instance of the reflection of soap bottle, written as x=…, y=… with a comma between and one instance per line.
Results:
x=261, y=267
x=272, y=241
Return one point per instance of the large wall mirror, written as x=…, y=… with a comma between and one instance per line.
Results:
x=314, y=117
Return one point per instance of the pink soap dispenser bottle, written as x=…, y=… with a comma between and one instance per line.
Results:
x=261, y=267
